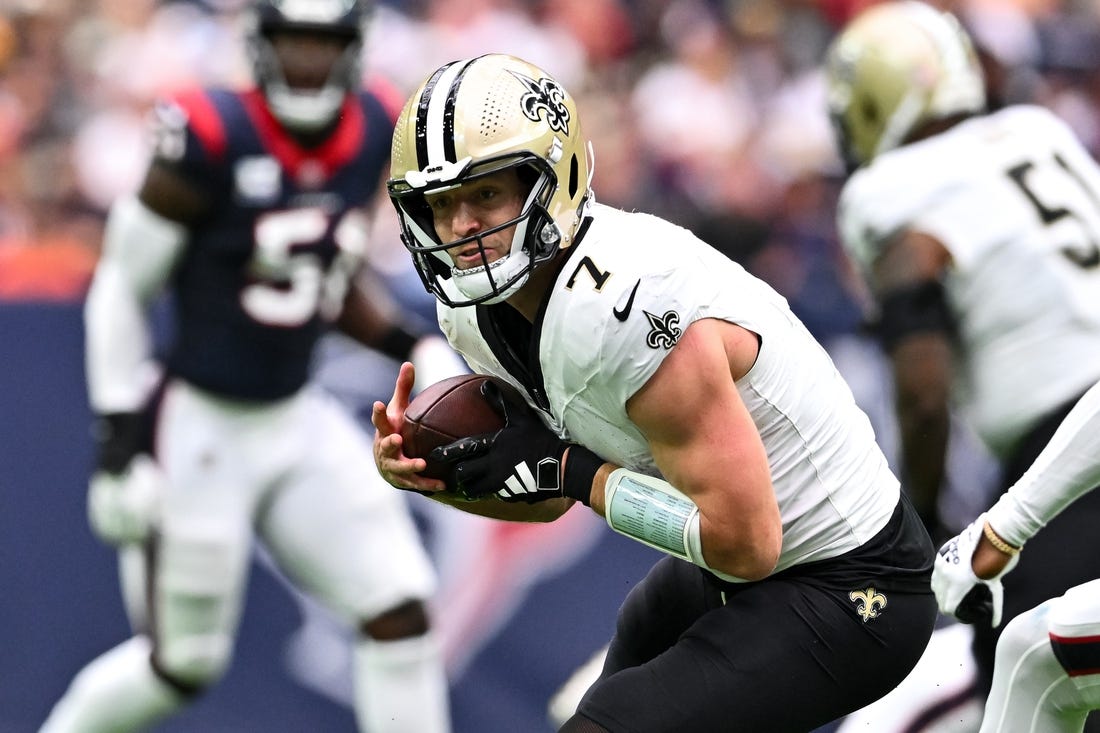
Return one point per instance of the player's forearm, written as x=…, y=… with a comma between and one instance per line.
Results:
x=1067, y=468
x=924, y=449
x=371, y=325
x=922, y=375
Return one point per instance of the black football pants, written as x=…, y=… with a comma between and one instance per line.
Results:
x=786, y=654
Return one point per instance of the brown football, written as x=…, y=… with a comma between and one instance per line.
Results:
x=446, y=411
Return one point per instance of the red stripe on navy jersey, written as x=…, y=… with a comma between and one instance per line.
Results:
x=1078, y=655
x=204, y=121
x=345, y=142
x=388, y=94
x=337, y=150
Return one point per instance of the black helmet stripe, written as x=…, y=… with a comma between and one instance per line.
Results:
x=422, y=117
x=449, y=115
x=435, y=115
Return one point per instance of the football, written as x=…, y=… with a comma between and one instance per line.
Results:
x=446, y=411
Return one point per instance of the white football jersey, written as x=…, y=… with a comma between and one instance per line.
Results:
x=1016, y=200
x=626, y=293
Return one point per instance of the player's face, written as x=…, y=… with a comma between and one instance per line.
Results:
x=307, y=58
x=476, y=206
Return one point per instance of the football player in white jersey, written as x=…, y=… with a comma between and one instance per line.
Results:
x=1046, y=675
x=251, y=214
x=979, y=234
x=672, y=393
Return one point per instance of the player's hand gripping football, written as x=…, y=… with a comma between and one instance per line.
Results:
x=961, y=593
x=125, y=490
x=396, y=468
x=522, y=462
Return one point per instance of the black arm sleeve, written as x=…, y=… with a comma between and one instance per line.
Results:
x=397, y=342
x=918, y=308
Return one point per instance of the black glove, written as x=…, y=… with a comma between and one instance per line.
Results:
x=976, y=607
x=120, y=436
x=124, y=494
x=519, y=462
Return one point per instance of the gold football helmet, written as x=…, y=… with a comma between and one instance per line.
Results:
x=895, y=67
x=471, y=118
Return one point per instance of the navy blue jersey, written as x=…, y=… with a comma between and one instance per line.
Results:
x=270, y=263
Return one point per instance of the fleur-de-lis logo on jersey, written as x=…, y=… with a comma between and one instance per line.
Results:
x=666, y=330
x=870, y=601
x=544, y=98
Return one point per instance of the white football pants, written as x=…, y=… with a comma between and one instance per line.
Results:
x=1032, y=692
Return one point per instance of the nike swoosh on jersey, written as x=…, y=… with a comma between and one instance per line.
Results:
x=622, y=314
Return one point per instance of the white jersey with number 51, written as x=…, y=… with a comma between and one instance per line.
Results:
x=1015, y=199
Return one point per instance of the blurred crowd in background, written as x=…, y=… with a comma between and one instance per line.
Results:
x=709, y=112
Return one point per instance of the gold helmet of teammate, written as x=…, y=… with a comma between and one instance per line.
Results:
x=895, y=67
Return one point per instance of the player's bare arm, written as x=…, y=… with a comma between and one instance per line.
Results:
x=370, y=316
x=706, y=445
x=906, y=281
x=369, y=320
x=988, y=561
